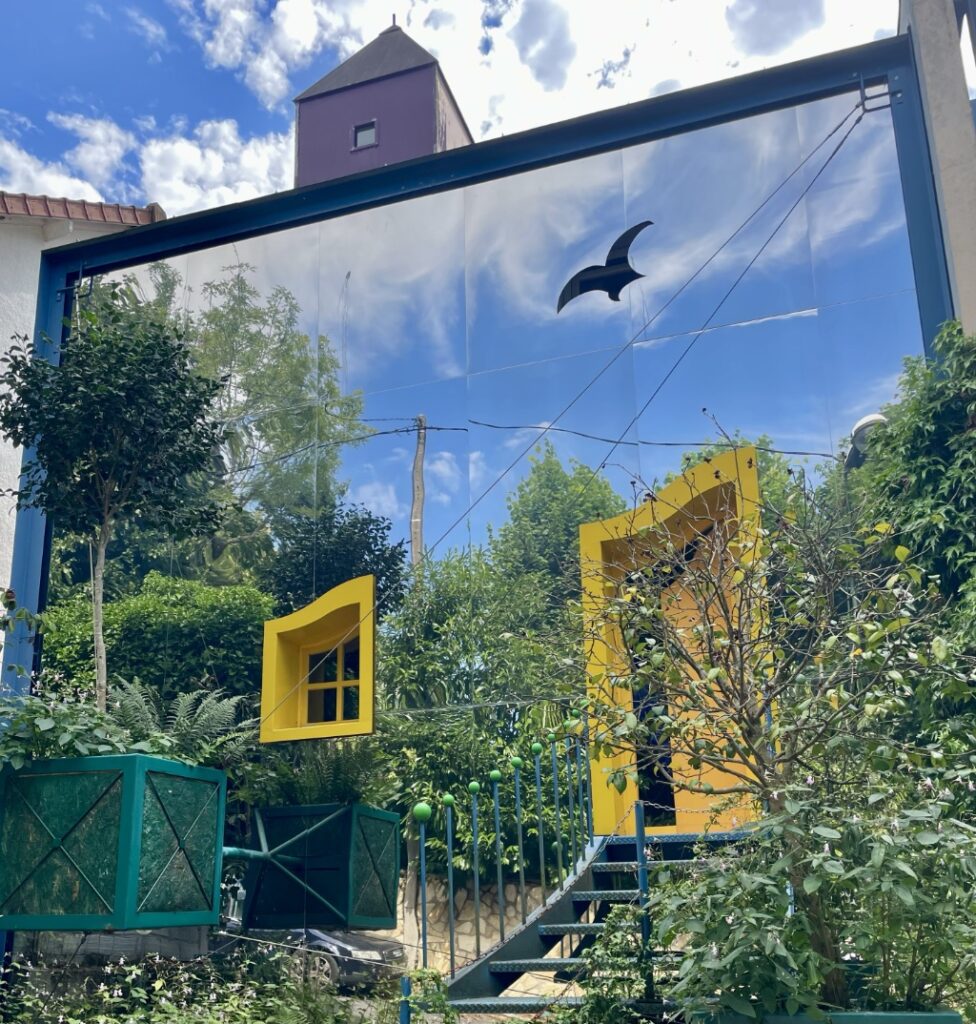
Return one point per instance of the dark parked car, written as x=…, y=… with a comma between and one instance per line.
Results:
x=347, y=959
x=342, y=959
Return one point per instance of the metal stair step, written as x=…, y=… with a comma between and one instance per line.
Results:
x=536, y=1004
x=539, y=964
x=613, y=867
x=512, y=1004
x=607, y=895
x=567, y=964
x=574, y=928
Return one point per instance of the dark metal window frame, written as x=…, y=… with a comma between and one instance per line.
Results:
x=887, y=63
x=375, y=125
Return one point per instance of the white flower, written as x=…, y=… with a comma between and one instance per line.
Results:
x=827, y=849
x=809, y=780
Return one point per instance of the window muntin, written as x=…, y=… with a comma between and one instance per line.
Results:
x=332, y=687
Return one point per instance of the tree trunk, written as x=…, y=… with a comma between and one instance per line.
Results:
x=98, y=581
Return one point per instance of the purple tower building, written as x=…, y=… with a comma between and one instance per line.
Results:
x=388, y=102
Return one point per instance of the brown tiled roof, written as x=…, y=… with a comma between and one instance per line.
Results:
x=20, y=204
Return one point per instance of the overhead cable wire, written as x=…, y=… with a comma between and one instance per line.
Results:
x=694, y=339
x=636, y=336
x=427, y=554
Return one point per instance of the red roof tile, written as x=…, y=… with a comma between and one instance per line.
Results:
x=20, y=204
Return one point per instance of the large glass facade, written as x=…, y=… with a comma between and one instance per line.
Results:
x=771, y=297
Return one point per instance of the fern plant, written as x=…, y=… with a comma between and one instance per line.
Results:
x=198, y=726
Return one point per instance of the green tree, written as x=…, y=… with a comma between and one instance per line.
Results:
x=778, y=675
x=545, y=512
x=314, y=553
x=920, y=471
x=171, y=634
x=118, y=430
x=286, y=415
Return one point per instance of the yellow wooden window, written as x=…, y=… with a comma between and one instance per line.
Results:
x=318, y=673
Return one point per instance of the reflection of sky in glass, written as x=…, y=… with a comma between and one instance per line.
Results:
x=446, y=306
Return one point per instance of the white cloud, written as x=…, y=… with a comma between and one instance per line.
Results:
x=265, y=49
x=148, y=29
x=768, y=26
x=214, y=166
x=14, y=124
x=22, y=172
x=544, y=43
x=477, y=470
x=525, y=436
x=102, y=147
x=380, y=498
x=444, y=474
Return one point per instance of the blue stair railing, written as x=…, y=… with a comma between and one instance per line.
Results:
x=569, y=805
x=581, y=877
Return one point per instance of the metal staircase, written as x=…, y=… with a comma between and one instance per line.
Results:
x=611, y=872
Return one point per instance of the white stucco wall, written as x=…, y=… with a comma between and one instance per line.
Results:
x=21, y=242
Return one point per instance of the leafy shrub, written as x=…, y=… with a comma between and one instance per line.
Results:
x=894, y=877
x=919, y=470
x=199, y=726
x=615, y=974
x=158, y=990
x=35, y=727
x=173, y=635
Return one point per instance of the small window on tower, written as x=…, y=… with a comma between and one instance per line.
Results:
x=364, y=135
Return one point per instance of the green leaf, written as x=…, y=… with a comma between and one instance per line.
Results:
x=940, y=649
x=811, y=884
x=740, y=1005
x=44, y=724
x=825, y=832
x=927, y=838
x=904, y=868
x=901, y=552
x=904, y=895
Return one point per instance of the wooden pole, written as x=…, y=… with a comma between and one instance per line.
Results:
x=417, y=509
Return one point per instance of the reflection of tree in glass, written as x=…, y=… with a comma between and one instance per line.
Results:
x=545, y=512
x=286, y=415
x=314, y=553
x=286, y=421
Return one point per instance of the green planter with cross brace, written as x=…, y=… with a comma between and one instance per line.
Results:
x=110, y=843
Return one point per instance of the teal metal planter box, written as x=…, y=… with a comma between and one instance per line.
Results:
x=324, y=866
x=838, y=1017
x=102, y=843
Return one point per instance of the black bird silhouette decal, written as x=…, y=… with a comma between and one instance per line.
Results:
x=611, y=278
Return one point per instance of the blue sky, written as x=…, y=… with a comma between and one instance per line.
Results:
x=465, y=330
x=188, y=102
